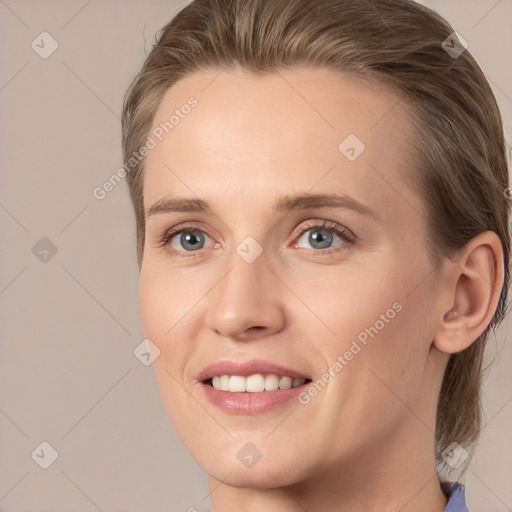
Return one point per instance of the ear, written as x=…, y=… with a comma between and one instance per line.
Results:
x=473, y=285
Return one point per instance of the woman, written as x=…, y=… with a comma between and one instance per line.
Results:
x=320, y=191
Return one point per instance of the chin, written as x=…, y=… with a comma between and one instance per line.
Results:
x=258, y=477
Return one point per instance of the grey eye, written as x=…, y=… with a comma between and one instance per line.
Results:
x=319, y=238
x=189, y=240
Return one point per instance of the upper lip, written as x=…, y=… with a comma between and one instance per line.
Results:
x=246, y=368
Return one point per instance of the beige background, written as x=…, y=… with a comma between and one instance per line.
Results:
x=68, y=375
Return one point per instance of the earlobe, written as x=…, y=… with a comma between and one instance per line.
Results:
x=477, y=276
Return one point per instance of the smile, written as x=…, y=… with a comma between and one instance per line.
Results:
x=256, y=383
x=250, y=387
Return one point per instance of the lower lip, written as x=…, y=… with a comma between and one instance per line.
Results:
x=250, y=403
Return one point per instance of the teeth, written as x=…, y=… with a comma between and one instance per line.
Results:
x=271, y=382
x=254, y=383
x=224, y=382
x=285, y=382
x=236, y=383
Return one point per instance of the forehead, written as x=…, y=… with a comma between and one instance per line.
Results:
x=289, y=131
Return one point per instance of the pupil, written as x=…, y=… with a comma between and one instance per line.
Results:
x=195, y=241
x=324, y=240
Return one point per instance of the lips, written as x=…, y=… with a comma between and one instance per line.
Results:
x=249, y=387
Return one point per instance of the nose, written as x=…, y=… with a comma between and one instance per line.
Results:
x=247, y=304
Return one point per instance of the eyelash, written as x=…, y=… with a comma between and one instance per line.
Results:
x=348, y=236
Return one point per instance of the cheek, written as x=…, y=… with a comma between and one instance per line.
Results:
x=381, y=333
x=351, y=301
x=162, y=303
x=163, y=308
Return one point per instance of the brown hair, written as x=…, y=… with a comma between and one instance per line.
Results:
x=461, y=173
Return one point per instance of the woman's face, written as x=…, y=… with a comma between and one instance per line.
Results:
x=296, y=247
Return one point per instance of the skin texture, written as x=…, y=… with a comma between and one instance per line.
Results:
x=366, y=441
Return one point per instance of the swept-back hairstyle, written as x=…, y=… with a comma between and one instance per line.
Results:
x=458, y=143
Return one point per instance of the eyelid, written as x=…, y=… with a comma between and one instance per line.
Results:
x=340, y=230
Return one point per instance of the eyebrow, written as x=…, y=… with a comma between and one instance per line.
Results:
x=284, y=204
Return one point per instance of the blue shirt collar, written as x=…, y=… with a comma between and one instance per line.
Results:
x=455, y=493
